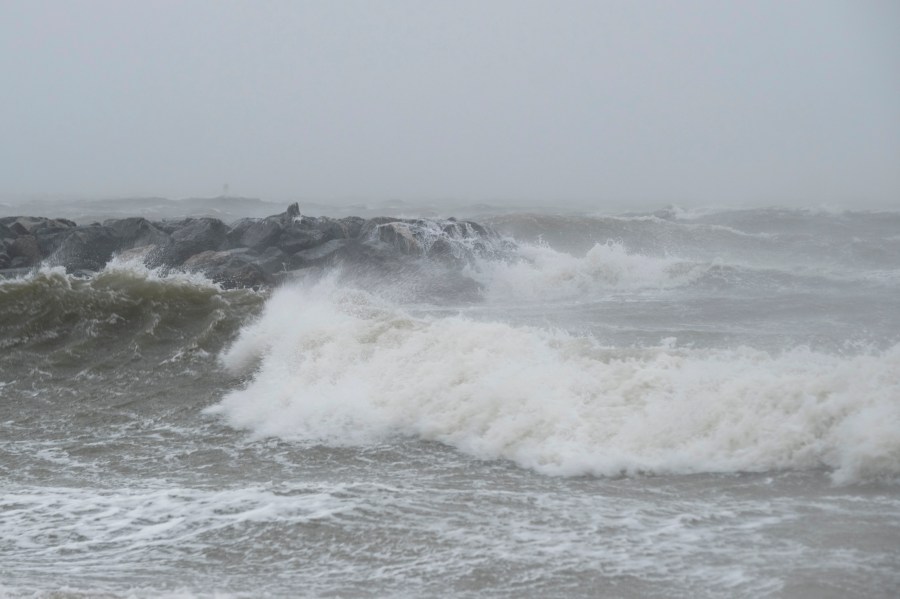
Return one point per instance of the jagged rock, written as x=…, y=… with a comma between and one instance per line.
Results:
x=442, y=250
x=273, y=260
x=25, y=251
x=237, y=230
x=465, y=229
x=261, y=234
x=170, y=226
x=86, y=248
x=399, y=235
x=195, y=236
x=253, y=251
x=7, y=233
x=352, y=226
x=49, y=242
x=137, y=232
x=18, y=229
x=345, y=228
x=48, y=232
x=36, y=225
x=230, y=268
x=147, y=254
x=318, y=254
x=292, y=212
x=295, y=239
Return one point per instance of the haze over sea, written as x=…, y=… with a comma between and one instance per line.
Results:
x=663, y=404
x=629, y=326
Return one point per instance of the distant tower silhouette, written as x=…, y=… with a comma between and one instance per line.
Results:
x=225, y=190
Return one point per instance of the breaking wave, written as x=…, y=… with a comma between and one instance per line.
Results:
x=326, y=364
x=126, y=306
x=543, y=273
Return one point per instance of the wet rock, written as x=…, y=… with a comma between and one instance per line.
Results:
x=170, y=226
x=18, y=229
x=7, y=233
x=145, y=254
x=193, y=237
x=252, y=251
x=273, y=260
x=401, y=236
x=137, y=232
x=49, y=232
x=318, y=254
x=292, y=212
x=352, y=226
x=25, y=251
x=36, y=225
x=237, y=230
x=229, y=268
x=261, y=234
x=86, y=248
x=442, y=250
x=295, y=239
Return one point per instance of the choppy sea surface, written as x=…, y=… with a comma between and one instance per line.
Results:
x=672, y=404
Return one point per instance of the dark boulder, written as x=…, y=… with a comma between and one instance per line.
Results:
x=319, y=254
x=253, y=252
x=194, y=236
x=7, y=233
x=170, y=226
x=86, y=248
x=330, y=228
x=273, y=260
x=48, y=232
x=49, y=242
x=261, y=234
x=18, y=229
x=401, y=236
x=36, y=225
x=146, y=254
x=292, y=212
x=237, y=230
x=24, y=251
x=230, y=268
x=443, y=250
x=295, y=239
x=352, y=225
x=137, y=232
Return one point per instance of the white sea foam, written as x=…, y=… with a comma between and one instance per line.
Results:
x=546, y=274
x=128, y=266
x=133, y=265
x=338, y=366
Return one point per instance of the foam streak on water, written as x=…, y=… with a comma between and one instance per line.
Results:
x=346, y=369
x=675, y=404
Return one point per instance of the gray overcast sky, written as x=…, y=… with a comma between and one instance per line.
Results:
x=652, y=102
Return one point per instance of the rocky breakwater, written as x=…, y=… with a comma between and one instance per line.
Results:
x=247, y=253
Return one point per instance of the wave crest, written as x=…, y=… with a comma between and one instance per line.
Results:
x=546, y=274
x=341, y=367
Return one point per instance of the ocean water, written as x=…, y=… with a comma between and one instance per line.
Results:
x=672, y=404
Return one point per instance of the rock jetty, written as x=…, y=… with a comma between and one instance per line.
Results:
x=251, y=252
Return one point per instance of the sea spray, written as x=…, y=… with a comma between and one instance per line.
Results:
x=388, y=430
x=333, y=365
x=542, y=273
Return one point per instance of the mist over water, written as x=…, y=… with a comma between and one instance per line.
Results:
x=658, y=404
x=639, y=336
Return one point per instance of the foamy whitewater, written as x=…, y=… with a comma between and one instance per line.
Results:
x=650, y=405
